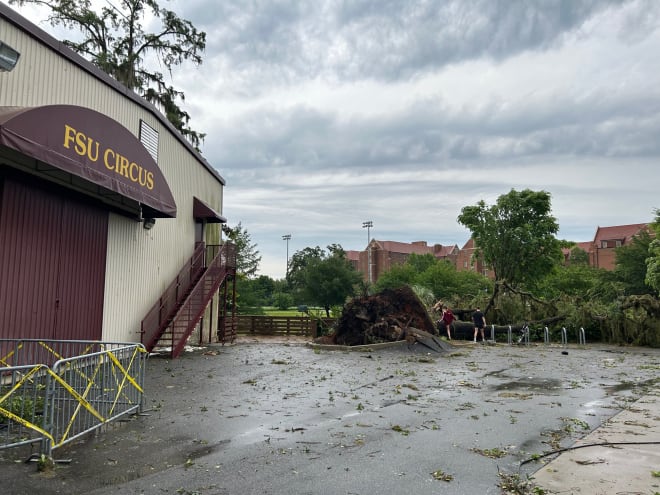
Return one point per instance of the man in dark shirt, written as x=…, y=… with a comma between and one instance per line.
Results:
x=479, y=324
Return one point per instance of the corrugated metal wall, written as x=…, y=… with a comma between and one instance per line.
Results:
x=83, y=237
x=28, y=285
x=52, y=265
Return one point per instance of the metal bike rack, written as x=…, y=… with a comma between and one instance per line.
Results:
x=581, y=337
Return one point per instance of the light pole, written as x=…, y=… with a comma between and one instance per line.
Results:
x=367, y=225
x=287, y=238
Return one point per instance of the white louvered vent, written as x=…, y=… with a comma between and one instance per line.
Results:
x=149, y=138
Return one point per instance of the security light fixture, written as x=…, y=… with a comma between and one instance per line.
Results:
x=148, y=223
x=8, y=57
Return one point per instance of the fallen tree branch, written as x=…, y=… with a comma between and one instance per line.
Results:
x=575, y=447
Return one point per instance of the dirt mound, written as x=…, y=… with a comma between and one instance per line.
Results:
x=389, y=316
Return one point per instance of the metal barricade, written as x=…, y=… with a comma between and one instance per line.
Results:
x=22, y=401
x=20, y=352
x=72, y=395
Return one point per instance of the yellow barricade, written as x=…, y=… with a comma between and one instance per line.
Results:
x=77, y=394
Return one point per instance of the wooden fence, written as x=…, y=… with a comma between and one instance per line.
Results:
x=280, y=325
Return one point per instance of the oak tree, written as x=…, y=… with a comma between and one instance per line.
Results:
x=113, y=39
x=323, y=279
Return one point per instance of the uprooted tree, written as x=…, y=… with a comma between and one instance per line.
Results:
x=388, y=316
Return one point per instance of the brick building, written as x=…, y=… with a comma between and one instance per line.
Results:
x=382, y=255
x=602, y=250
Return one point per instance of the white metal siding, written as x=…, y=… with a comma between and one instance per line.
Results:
x=140, y=263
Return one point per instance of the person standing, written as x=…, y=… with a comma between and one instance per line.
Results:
x=448, y=319
x=436, y=313
x=479, y=324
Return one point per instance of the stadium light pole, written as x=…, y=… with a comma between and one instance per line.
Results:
x=287, y=238
x=367, y=225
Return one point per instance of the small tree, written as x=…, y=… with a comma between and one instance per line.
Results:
x=282, y=300
x=578, y=257
x=397, y=276
x=247, y=254
x=631, y=264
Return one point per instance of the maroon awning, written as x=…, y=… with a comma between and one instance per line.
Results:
x=202, y=211
x=90, y=145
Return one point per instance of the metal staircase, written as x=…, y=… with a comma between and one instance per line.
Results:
x=177, y=312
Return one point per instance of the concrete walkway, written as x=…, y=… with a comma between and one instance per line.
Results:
x=630, y=465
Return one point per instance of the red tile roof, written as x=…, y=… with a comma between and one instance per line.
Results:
x=622, y=232
x=404, y=247
x=446, y=251
x=418, y=247
x=469, y=244
x=585, y=246
x=353, y=255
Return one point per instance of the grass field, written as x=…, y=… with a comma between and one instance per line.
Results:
x=271, y=311
x=282, y=312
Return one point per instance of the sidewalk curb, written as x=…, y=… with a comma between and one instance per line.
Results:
x=627, y=465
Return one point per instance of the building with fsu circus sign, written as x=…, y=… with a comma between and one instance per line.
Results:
x=110, y=221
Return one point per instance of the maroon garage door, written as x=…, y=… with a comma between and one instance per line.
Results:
x=52, y=264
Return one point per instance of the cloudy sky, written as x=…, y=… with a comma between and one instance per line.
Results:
x=322, y=115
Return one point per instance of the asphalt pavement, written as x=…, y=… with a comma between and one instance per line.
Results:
x=283, y=417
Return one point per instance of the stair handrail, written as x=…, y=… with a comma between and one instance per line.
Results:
x=160, y=314
x=222, y=265
x=225, y=255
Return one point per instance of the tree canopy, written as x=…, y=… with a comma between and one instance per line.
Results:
x=653, y=261
x=515, y=236
x=631, y=265
x=113, y=39
x=438, y=276
x=323, y=279
x=247, y=254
